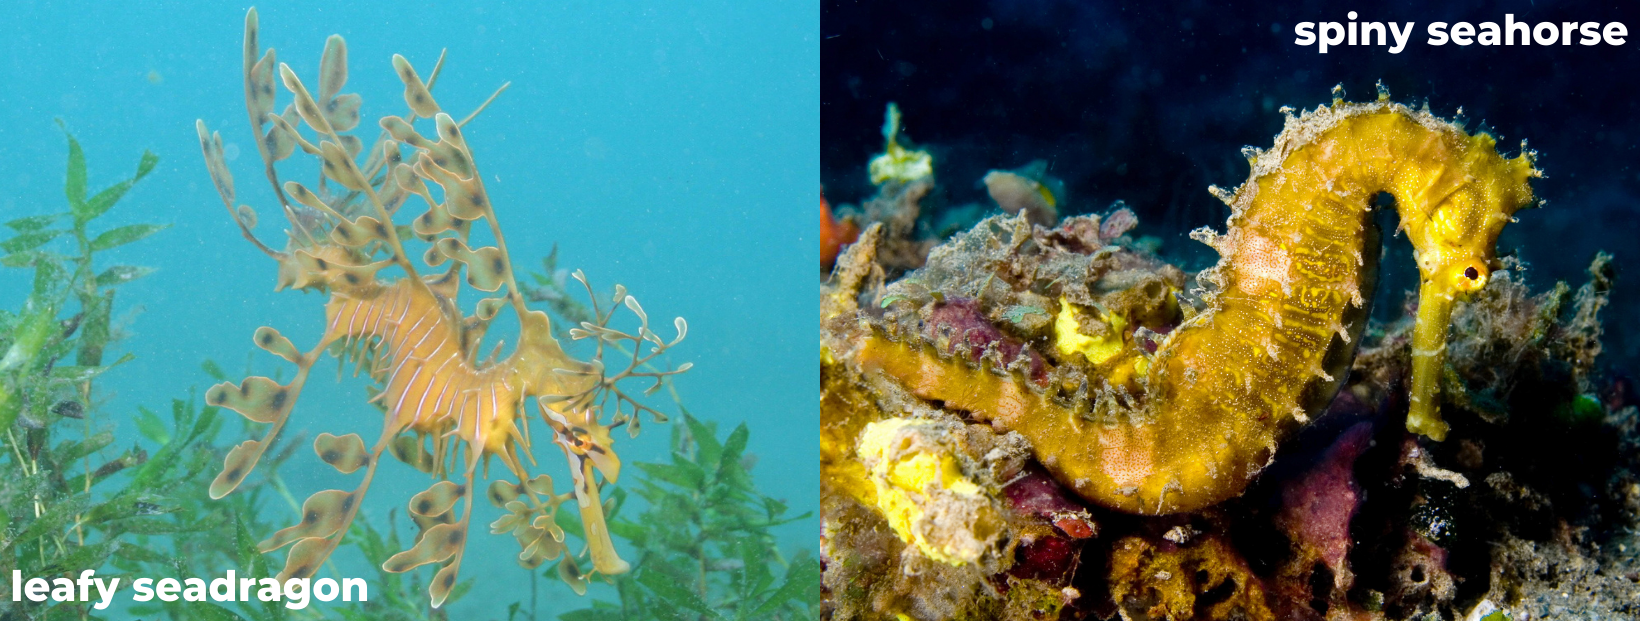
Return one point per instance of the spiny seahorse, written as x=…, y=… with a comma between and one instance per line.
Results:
x=1289, y=301
x=412, y=336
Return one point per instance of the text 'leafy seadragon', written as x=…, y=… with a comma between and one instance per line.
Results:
x=447, y=409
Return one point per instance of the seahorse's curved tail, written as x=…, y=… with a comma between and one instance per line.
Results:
x=1285, y=310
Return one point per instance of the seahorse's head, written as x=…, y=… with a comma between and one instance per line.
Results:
x=1466, y=203
x=1454, y=210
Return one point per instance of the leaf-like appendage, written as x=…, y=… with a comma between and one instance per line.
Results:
x=344, y=453
x=437, y=544
x=211, y=144
x=403, y=132
x=450, y=133
x=503, y=491
x=415, y=91
x=307, y=197
x=435, y=221
x=571, y=574
x=434, y=258
x=275, y=343
x=358, y=232
x=426, y=523
x=261, y=86
x=343, y=112
x=405, y=177
x=322, y=515
x=488, y=307
x=338, y=165
x=305, y=558
x=486, y=270
x=411, y=450
x=353, y=145
x=257, y=398
x=436, y=500
x=340, y=274
x=240, y=461
x=547, y=523
x=541, y=484
x=252, y=47
x=287, y=123
x=537, y=546
x=332, y=68
x=305, y=105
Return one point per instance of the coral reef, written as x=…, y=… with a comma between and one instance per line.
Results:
x=1316, y=512
x=1206, y=579
x=904, y=178
x=834, y=234
x=1308, y=463
x=925, y=492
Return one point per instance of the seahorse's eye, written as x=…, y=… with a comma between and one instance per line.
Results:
x=1471, y=277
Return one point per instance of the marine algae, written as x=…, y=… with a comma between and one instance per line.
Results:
x=75, y=497
x=898, y=163
x=703, y=539
x=1190, y=424
x=412, y=338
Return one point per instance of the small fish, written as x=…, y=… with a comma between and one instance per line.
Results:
x=1026, y=189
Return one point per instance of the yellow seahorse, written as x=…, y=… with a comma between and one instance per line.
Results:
x=411, y=334
x=1290, y=297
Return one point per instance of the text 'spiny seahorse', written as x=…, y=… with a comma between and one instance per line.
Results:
x=411, y=334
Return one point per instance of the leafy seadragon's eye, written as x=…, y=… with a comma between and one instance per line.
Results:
x=1470, y=276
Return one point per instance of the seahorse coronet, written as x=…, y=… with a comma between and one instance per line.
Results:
x=1283, y=311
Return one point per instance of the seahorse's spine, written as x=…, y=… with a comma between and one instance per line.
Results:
x=1291, y=294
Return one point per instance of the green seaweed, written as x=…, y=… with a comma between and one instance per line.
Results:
x=75, y=499
x=202, y=537
x=704, y=544
x=70, y=500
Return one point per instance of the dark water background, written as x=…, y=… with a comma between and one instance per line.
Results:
x=1151, y=102
x=666, y=146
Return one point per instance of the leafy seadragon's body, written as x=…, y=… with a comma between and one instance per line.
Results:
x=1279, y=332
x=413, y=337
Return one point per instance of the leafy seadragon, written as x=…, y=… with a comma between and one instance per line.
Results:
x=1289, y=301
x=412, y=336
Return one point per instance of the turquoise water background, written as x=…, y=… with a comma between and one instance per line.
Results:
x=670, y=147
